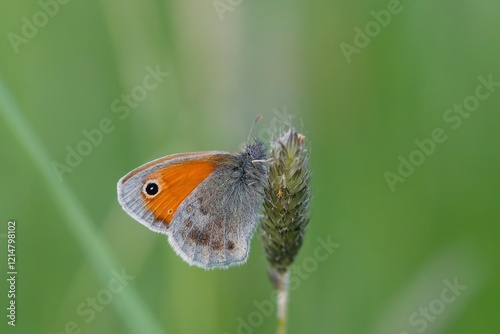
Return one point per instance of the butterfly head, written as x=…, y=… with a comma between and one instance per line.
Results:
x=253, y=163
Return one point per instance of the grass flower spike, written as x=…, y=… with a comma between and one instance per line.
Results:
x=286, y=211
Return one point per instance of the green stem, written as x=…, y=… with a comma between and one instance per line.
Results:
x=282, y=302
x=132, y=308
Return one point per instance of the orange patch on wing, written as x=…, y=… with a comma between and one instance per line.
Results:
x=159, y=161
x=175, y=183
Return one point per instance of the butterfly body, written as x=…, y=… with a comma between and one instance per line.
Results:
x=207, y=203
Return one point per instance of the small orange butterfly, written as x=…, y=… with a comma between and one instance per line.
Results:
x=207, y=203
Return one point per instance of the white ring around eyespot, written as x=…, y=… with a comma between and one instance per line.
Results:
x=146, y=184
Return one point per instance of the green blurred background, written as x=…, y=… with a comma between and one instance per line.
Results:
x=283, y=60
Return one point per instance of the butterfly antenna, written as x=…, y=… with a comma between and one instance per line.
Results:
x=258, y=118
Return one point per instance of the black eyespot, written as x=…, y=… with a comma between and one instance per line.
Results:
x=151, y=188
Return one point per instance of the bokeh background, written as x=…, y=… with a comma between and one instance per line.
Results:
x=228, y=61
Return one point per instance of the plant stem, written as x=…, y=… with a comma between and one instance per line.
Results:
x=132, y=308
x=282, y=302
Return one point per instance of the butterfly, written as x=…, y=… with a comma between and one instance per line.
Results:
x=207, y=203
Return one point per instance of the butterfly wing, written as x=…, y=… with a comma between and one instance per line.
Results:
x=200, y=201
x=214, y=224
x=175, y=177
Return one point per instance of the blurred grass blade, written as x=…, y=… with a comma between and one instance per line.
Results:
x=131, y=308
